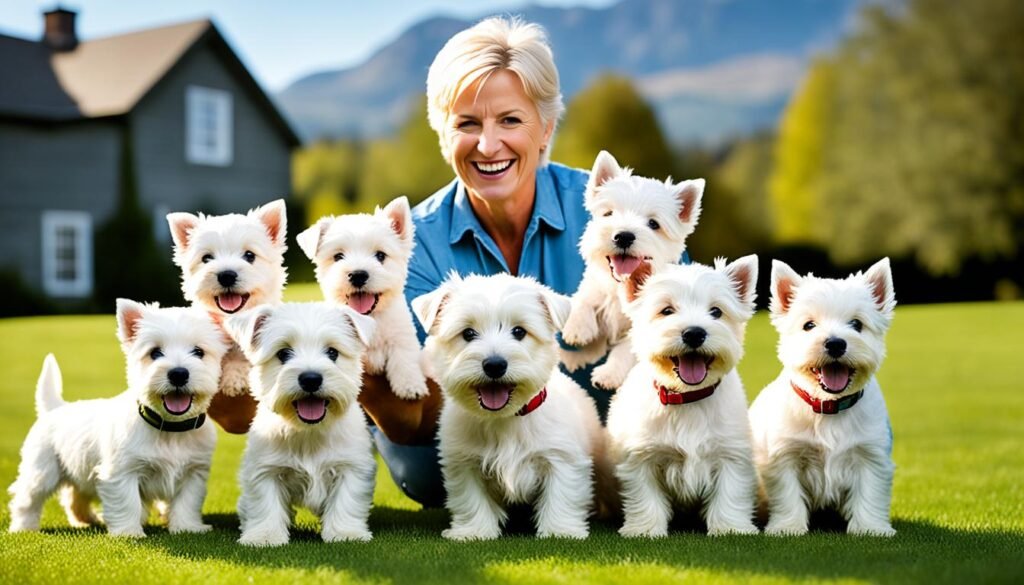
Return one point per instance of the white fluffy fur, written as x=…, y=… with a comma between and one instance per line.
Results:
x=697, y=454
x=619, y=202
x=327, y=466
x=102, y=449
x=340, y=245
x=809, y=461
x=494, y=458
x=223, y=241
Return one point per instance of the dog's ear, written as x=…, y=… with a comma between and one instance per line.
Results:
x=182, y=225
x=557, y=306
x=400, y=216
x=274, y=217
x=879, y=279
x=634, y=283
x=690, y=193
x=309, y=239
x=364, y=327
x=742, y=274
x=128, y=315
x=785, y=280
x=428, y=307
x=245, y=328
x=605, y=169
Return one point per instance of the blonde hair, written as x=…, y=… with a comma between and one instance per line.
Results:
x=477, y=52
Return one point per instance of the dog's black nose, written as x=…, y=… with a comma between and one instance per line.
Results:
x=694, y=337
x=178, y=377
x=495, y=367
x=358, y=277
x=624, y=239
x=228, y=278
x=835, y=347
x=310, y=381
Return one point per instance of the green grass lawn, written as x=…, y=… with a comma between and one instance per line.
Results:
x=953, y=381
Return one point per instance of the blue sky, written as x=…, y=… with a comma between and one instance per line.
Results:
x=279, y=41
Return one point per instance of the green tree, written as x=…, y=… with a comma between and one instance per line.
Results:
x=611, y=115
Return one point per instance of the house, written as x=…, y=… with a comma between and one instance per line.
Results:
x=174, y=103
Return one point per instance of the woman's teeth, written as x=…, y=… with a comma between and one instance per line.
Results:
x=493, y=167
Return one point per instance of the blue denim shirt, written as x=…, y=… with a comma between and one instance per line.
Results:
x=450, y=237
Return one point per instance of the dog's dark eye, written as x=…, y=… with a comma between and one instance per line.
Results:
x=668, y=311
x=207, y=258
x=285, y=354
x=339, y=256
x=715, y=313
x=198, y=352
x=332, y=354
x=519, y=333
x=156, y=354
x=608, y=213
x=469, y=334
x=653, y=224
x=857, y=325
x=249, y=257
x=381, y=257
x=809, y=325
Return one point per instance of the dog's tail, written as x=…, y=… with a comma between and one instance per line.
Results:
x=49, y=387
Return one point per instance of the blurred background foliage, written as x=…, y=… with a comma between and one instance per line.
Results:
x=906, y=140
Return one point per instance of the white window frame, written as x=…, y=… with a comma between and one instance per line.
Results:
x=80, y=222
x=208, y=142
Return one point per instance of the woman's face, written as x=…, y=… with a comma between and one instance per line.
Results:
x=495, y=136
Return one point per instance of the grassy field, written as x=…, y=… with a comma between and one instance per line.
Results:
x=953, y=381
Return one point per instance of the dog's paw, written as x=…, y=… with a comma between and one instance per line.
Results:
x=637, y=531
x=263, y=538
x=347, y=534
x=580, y=328
x=189, y=528
x=859, y=529
x=607, y=378
x=128, y=532
x=465, y=533
x=20, y=525
x=410, y=387
x=786, y=528
x=747, y=528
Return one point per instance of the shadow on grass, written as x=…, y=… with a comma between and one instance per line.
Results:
x=407, y=547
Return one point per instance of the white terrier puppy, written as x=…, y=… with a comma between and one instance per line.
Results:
x=362, y=261
x=678, y=425
x=148, y=445
x=633, y=220
x=821, y=431
x=513, y=429
x=231, y=263
x=308, y=444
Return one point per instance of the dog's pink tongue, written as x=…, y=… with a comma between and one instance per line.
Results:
x=229, y=302
x=624, y=265
x=177, y=402
x=692, y=368
x=361, y=302
x=311, y=409
x=494, y=396
x=835, y=377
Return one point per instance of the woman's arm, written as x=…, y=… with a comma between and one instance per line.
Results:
x=406, y=422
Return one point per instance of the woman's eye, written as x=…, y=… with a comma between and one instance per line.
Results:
x=332, y=354
x=469, y=334
x=198, y=352
x=466, y=124
x=715, y=313
x=511, y=120
x=249, y=257
x=285, y=354
x=809, y=325
x=381, y=257
x=857, y=325
x=207, y=258
x=668, y=311
x=653, y=224
x=518, y=333
x=339, y=256
x=156, y=354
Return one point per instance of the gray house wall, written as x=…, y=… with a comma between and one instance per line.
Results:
x=260, y=170
x=67, y=167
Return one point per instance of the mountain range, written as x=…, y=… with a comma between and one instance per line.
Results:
x=712, y=68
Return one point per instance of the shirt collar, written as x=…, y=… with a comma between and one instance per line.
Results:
x=546, y=208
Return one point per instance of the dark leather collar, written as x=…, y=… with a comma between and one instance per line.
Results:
x=827, y=406
x=179, y=426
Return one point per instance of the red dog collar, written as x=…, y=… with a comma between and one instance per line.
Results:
x=827, y=406
x=669, y=397
x=534, y=403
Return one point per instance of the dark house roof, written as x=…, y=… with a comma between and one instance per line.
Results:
x=109, y=76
